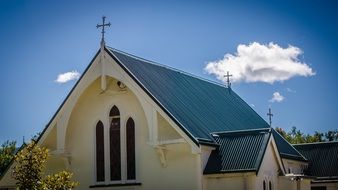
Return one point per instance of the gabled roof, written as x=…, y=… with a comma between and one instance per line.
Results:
x=198, y=106
x=241, y=151
x=286, y=150
x=323, y=159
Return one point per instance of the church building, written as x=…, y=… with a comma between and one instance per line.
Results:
x=130, y=123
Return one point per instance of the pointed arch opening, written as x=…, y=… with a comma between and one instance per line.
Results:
x=100, y=173
x=115, y=144
x=130, y=134
x=264, y=185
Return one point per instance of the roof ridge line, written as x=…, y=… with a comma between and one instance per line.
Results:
x=168, y=67
x=314, y=143
x=241, y=131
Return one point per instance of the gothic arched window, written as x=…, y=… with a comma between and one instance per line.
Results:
x=264, y=185
x=270, y=185
x=130, y=134
x=115, y=144
x=99, y=152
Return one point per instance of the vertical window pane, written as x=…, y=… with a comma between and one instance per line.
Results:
x=99, y=152
x=270, y=185
x=115, y=145
x=130, y=149
x=264, y=185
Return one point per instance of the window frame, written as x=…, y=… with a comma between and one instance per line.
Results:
x=124, y=116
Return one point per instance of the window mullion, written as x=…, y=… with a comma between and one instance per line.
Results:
x=123, y=151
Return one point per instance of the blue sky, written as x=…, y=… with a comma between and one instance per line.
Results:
x=42, y=39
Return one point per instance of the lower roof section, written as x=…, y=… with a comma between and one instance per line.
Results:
x=323, y=159
x=238, y=151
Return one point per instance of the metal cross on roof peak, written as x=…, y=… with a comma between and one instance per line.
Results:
x=228, y=79
x=270, y=116
x=103, y=25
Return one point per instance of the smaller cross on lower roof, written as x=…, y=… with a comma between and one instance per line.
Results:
x=270, y=116
x=228, y=79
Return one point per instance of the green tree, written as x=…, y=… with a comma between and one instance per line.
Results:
x=318, y=136
x=30, y=163
x=7, y=151
x=332, y=135
x=59, y=181
x=295, y=136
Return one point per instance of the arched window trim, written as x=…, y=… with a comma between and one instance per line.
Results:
x=124, y=116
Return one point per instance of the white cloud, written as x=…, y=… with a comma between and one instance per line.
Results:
x=290, y=90
x=277, y=97
x=260, y=63
x=68, y=76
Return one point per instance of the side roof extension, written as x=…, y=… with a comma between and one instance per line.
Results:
x=239, y=151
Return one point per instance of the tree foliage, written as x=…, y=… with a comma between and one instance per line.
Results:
x=30, y=163
x=295, y=136
x=59, y=181
x=7, y=151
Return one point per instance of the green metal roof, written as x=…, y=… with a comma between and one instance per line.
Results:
x=198, y=106
x=241, y=151
x=286, y=150
x=323, y=159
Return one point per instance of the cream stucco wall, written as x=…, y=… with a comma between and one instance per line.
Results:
x=181, y=170
x=225, y=182
x=269, y=169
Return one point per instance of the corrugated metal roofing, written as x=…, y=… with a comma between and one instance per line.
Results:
x=323, y=158
x=238, y=151
x=285, y=149
x=199, y=106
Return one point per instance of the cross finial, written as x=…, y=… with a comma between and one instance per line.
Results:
x=270, y=116
x=228, y=79
x=103, y=31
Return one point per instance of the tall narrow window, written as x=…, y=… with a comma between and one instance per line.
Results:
x=270, y=185
x=115, y=144
x=99, y=152
x=264, y=185
x=130, y=128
